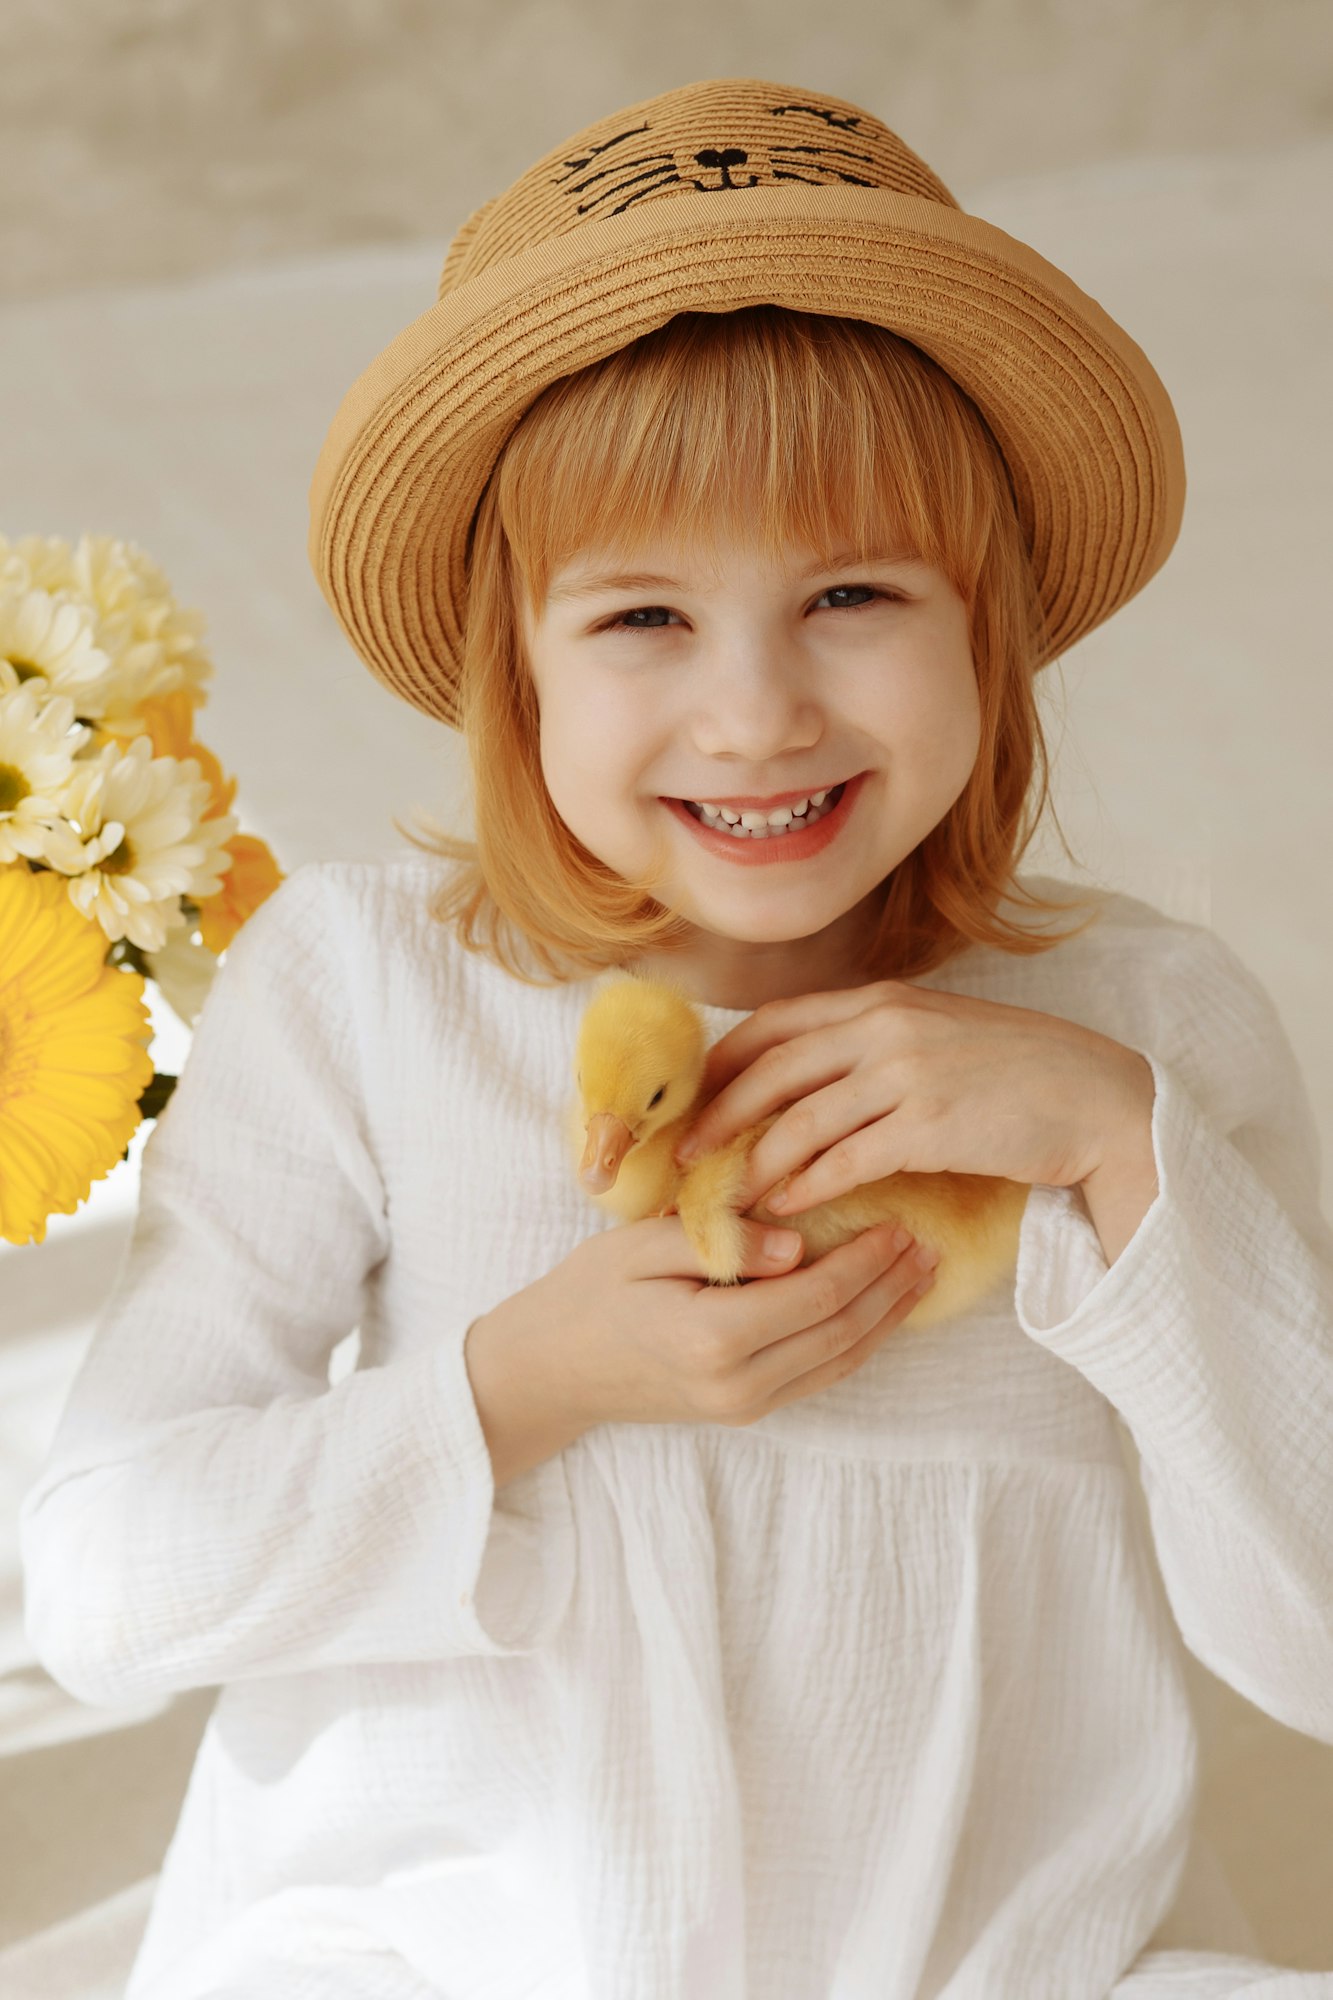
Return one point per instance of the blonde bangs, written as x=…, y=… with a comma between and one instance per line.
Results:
x=830, y=434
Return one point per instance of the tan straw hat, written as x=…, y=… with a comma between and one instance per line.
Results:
x=725, y=194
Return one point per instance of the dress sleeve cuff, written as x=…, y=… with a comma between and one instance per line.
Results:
x=513, y=1552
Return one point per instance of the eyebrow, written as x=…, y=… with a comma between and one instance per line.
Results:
x=592, y=586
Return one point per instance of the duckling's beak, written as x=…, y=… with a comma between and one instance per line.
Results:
x=609, y=1139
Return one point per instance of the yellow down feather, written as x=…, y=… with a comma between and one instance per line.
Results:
x=638, y=1071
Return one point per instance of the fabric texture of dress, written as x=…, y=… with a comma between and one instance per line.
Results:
x=878, y=1698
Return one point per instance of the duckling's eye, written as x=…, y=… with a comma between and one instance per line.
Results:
x=657, y=1097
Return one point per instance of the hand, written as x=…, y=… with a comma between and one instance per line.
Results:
x=626, y=1329
x=894, y=1078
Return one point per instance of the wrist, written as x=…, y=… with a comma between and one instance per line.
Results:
x=523, y=1405
x=1121, y=1188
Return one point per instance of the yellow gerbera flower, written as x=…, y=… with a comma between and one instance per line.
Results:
x=74, y=1061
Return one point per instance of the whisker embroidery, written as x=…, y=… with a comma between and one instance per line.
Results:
x=663, y=176
x=619, y=168
x=844, y=124
x=576, y=166
x=855, y=180
x=844, y=152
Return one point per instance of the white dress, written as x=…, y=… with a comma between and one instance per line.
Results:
x=879, y=1698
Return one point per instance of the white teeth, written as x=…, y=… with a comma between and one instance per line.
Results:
x=756, y=817
x=757, y=825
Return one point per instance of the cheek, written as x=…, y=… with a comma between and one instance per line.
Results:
x=962, y=728
x=567, y=744
x=934, y=735
x=589, y=774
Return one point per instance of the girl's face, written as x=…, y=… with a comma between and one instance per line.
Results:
x=659, y=680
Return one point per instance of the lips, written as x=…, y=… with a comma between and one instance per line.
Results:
x=806, y=838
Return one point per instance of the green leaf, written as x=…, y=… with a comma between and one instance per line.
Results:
x=154, y=1100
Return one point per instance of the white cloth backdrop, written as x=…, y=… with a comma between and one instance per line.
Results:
x=1191, y=741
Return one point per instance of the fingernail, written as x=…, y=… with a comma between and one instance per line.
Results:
x=778, y=1200
x=927, y=1259
x=686, y=1150
x=779, y=1244
x=901, y=1239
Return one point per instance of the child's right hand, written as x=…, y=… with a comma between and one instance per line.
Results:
x=636, y=1334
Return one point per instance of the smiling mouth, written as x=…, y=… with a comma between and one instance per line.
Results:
x=766, y=831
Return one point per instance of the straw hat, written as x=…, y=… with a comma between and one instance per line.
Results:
x=725, y=194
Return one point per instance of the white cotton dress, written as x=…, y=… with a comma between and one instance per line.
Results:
x=879, y=1698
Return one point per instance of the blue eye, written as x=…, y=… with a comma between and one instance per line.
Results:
x=844, y=589
x=869, y=591
x=639, y=612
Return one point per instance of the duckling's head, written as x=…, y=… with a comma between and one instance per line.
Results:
x=638, y=1064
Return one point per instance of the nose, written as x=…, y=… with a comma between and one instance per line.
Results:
x=757, y=702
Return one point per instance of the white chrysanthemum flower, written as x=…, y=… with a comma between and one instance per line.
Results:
x=53, y=640
x=142, y=841
x=183, y=971
x=14, y=571
x=153, y=645
x=38, y=741
x=47, y=562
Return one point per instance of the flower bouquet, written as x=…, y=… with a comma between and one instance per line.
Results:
x=120, y=859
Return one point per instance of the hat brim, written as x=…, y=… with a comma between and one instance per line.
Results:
x=1085, y=424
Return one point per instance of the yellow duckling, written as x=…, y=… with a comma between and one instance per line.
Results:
x=638, y=1068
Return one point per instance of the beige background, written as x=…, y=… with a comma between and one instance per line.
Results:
x=146, y=139
x=217, y=214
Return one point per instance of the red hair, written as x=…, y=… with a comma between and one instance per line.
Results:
x=816, y=430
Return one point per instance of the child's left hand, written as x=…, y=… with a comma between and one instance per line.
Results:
x=894, y=1078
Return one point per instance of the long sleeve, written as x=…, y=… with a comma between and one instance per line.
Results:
x=211, y=1508
x=1212, y=1335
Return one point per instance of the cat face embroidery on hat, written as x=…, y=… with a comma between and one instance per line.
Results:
x=722, y=138
x=711, y=198
x=612, y=174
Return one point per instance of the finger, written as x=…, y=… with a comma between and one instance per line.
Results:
x=821, y=1348
x=801, y=1014
x=815, y=1293
x=848, y=1163
x=731, y=1052
x=787, y=1072
x=839, y=1130
x=900, y=1305
x=658, y=1247
x=768, y=1249
x=715, y=1111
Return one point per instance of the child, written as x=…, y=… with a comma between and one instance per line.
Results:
x=604, y=1634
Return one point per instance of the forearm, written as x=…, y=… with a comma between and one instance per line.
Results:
x=229, y=1542
x=524, y=1417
